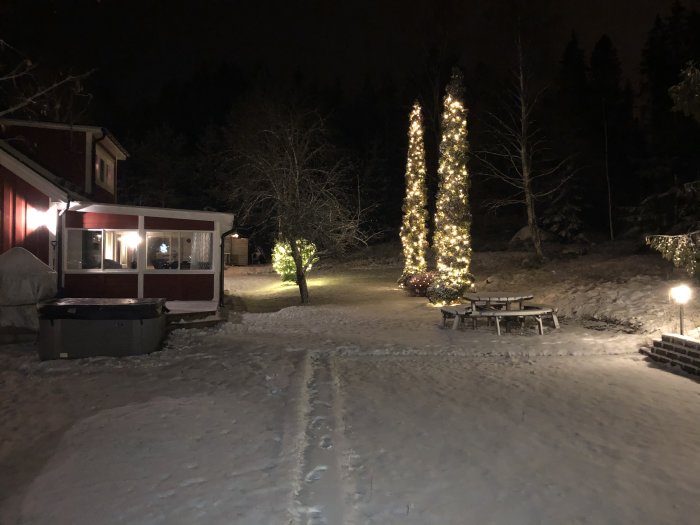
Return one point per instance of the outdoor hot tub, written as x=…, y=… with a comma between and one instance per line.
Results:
x=85, y=327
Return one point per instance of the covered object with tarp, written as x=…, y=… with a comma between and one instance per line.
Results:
x=24, y=282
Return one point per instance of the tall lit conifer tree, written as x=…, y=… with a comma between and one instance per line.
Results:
x=414, y=228
x=452, y=240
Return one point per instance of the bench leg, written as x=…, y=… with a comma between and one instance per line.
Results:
x=555, y=320
x=455, y=323
x=539, y=324
x=498, y=324
x=446, y=316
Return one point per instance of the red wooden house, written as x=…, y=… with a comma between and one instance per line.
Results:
x=58, y=197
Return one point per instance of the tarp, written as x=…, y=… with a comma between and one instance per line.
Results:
x=24, y=281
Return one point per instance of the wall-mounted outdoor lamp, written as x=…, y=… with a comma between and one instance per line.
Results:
x=680, y=295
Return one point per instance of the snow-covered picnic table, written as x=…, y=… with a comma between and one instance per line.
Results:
x=498, y=306
x=488, y=299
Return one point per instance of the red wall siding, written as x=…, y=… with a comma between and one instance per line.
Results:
x=6, y=201
x=76, y=219
x=101, y=285
x=179, y=287
x=164, y=223
x=16, y=196
x=101, y=195
x=62, y=152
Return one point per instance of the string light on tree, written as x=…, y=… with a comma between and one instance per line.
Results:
x=452, y=241
x=683, y=250
x=414, y=227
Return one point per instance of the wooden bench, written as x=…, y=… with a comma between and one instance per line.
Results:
x=456, y=313
x=532, y=310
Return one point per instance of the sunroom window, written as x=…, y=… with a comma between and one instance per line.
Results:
x=102, y=249
x=176, y=250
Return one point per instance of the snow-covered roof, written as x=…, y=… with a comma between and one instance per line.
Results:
x=224, y=219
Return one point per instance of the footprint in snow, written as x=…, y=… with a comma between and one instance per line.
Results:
x=326, y=442
x=192, y=481
x=315, y=474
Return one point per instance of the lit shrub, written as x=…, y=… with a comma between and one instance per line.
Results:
x=441, y=292
x=283, y=263
x=417, y=285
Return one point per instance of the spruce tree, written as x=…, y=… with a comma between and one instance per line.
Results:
x=414, y=228
x=452, y=241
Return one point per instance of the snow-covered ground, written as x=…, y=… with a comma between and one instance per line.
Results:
x=360, y=408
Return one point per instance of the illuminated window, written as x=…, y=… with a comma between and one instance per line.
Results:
x=173, y=250
x=104, y=173
x=102, y=249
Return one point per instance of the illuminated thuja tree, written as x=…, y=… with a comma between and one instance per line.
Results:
x=452, y=239
x=414, y=228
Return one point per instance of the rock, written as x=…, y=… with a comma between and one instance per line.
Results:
x=574, y=250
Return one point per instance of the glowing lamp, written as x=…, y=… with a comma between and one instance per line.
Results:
x=41, y=219
x=680, y=295
x=131, y=239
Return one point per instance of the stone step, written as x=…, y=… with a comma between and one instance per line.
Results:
x=675, y=350
x=195, y=319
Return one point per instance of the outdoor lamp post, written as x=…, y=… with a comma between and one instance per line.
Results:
x=680, y=295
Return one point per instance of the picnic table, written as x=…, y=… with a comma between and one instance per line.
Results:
x=498, y=306
x=488, y=299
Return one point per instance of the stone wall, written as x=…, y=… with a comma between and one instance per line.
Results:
x=676, y=349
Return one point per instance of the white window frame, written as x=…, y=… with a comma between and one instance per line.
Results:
x=178, y=270
x=109, y=164
x=101, y=269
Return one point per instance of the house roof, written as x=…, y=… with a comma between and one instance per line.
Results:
x=225, y=220
x=98, y=132
x=53, y=186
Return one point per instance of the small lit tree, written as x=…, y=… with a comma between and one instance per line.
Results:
x=286, y=174
x=682, y=250
x=452, y=241
x=414, y=229
x=283, y=262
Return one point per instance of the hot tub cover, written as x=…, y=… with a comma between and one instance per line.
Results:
x=100, y=308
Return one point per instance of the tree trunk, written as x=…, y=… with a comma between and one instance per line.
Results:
x=607, y=172
x=532, y=224
x=300, y=273
x=525, y=166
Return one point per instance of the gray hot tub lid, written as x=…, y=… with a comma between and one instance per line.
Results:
x=102, y=308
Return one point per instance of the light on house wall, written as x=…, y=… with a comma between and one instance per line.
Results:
x=680, y=295
x=41, y=219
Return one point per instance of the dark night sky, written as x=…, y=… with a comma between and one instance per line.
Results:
x=348, y=39
x=146, y=43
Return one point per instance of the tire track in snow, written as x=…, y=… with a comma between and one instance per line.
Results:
x=318, y=496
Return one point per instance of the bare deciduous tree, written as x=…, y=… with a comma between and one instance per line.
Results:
x=517, y=157
x=289, y=176
x=21, y=89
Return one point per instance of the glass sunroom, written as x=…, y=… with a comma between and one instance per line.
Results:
x=110, y=250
